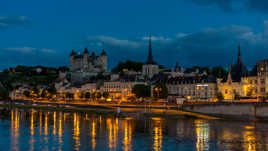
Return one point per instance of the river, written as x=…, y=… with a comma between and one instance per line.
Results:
x=23, y=130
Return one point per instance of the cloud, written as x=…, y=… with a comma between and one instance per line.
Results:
x=101, y=40
x=17, y=20
x=155, y=38
x=47, y=50
x=21, y=49
x=181, y=35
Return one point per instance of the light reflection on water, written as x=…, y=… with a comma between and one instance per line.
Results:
x=35, y=130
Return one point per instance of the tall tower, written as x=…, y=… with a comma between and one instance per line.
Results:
x=150, y=53
x=150, y=68
x=85, y=60
x=72, y=60
x=103, y=56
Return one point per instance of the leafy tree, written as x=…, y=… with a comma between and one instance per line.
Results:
x=43, y=94
x=129, y=65
x=26, y=94
x=69, y=95
x=4, y=94
x=105, y=94
x=98, y=95
x=36, y=91
x=141, y=91
x=82, y=95
x=219, y=96
x=87, y=95
x=160, y=91
x=219, y=72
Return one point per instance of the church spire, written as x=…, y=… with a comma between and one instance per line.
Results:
x=239, y=60
x=150, y=55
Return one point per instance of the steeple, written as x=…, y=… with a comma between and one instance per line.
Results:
x=86, y=51
x=103, y=53
x=177, y=65
x=72, y=53
x=239, y=60
x=150, y=54
x=93, y=54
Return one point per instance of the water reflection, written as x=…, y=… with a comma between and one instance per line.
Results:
x=157, y=133
x=202, y=135
x=35, y=130
x=15, y=125
x=249, y=139
x=76, y=131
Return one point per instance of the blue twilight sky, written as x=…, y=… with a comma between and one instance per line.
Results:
x=192, y=32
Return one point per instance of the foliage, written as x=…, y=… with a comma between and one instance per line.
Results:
x=219, y=72
x=219, y=96
x=26, y=93
x=129, y=65
x=160, y=91
x=105, y=95
x=52, y=90
x=87, y=95
x=69, y=95
x=4, y=94
x=141, y=91
x=98, y=95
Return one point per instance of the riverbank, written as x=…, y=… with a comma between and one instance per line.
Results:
x=109, y=109
x=250, y=111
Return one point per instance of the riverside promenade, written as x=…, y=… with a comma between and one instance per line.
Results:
x=123, y=109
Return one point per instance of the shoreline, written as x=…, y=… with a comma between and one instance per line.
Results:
x=227, y=111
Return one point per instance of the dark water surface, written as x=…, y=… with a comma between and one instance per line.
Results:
x=43, y=130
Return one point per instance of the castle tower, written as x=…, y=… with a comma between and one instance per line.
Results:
x=85, y=60
x=73, y=53
x=103, y=57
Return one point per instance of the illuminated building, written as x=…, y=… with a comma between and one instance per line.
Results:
x=192, y=88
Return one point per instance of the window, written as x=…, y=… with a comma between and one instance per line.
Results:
x=226, y=91
x=262, y=89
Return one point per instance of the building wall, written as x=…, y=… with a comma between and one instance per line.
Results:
x=86, y=63
x=206, y=91
x=150, y=70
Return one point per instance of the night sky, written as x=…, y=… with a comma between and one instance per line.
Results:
x=192, y=32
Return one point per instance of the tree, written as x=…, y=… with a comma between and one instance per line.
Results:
x=36, y=91
x=87, y=95
x=219, y=96
x=98, y=95
x=26, y=94
x=52, y=90
x=4, y=94
x=69, y=95
x=219, y=72
x=129, y=65
x=105, y=94
x=160, y=91
x=43, y=94
x=141, y=91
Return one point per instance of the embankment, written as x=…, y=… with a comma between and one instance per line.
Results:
x=240, y=111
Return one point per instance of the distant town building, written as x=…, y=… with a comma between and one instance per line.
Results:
x=150, y=68
x=236, y=83
x=192, y=88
